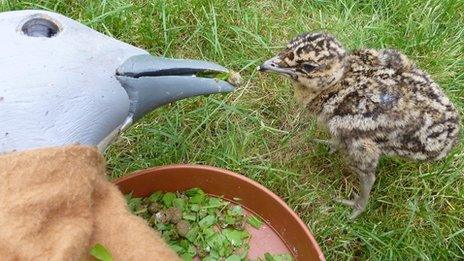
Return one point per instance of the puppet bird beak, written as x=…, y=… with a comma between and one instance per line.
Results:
x=153, y=81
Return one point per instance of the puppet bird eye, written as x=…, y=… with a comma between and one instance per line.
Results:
x=308, y=67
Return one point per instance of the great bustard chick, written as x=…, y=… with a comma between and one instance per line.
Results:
x=373, y=102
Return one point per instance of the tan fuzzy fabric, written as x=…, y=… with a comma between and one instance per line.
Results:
x=56, y=203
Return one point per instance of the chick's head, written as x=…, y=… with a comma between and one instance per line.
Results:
x=313, y=60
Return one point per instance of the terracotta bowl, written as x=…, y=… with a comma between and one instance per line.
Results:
x=284, y=231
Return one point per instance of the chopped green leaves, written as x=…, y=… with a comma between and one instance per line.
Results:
x=233, y=258
x=213, y=74
x=195, y=224
x=232, y=77
x=134, y=204
x=179, y=203
x=222, y=76
x=193, y=191
x=190, y=217
x=197, y=199
x=281, y=257
x=235, y=237
x=101, y=253
x=155, y=197
x=235, y=211
x=207, y=221
x=268, y=257
x=254, y=222
x=215, y=203
x=168, y=198
x=192, y=234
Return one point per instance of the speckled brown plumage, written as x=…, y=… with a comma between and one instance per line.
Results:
x=373, y=102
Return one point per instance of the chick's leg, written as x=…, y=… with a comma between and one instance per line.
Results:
x=359, y=203
x=363, y=158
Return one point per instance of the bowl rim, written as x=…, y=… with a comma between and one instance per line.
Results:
x=232, y=174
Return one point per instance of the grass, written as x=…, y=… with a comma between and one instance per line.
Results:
x=416, y=210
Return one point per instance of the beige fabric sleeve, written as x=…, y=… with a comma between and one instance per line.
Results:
x=56, y=203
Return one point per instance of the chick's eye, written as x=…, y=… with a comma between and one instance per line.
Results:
x=308, y=67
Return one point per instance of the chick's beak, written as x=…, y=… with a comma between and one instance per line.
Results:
x=273, y=65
